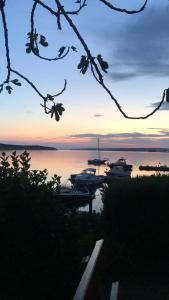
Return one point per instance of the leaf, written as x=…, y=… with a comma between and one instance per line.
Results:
x=50, y=97
x=84, y=69
x=103, y=64
x=74, y=48
x=16, y=82
x=82, y=62
x=167, y=95
x=59, y=108
x=43, y=41
x=52, y=113
x=35, y=36
x=61, y=50
x=9, y=89
x=28, y=50
x=83, y=65
x=57, y=118
x=36, y=50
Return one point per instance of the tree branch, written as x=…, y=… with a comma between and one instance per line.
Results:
x=123, y=10
x=95, y=68
x=5, y=28
x=33, y=41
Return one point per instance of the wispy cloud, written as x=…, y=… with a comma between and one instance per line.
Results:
x=97, y=115
x=161, y=133
x=124, y=139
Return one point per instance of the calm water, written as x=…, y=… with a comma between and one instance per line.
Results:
x=66, y=162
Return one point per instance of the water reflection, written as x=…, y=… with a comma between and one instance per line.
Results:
x=66, y=162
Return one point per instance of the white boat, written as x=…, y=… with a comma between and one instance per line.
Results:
x=71, y=192
x=119, y=169
x=97, y=161
x=86, y=177
x=72, y=196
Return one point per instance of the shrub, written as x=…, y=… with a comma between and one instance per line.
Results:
x=42, y=242
x=136, y=213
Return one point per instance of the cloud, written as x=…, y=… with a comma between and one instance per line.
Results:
x=124, y=135
x=97, y=115
x=119, y=76
x=124, y=139
x=140, y=48
x=164, y=106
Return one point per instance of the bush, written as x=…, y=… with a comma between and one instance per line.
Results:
x=42, y=242
x=136, y=212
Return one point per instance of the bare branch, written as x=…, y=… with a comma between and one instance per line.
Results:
x=5, y=28
x=61, y=92
x=82, y=4
x=29, y=82
x=123, y=10
x=45, y=6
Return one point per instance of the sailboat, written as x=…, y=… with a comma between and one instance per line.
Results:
x=97, y=161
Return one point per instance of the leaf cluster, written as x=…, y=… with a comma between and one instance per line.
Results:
x=35, y=39
x=85, y=62
x=16, y=168
x=57, y=110
x=8, y=86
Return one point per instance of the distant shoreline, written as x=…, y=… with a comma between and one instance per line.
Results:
x=163, y=150
x=5, y=147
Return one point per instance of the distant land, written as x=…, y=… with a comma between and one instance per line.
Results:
x=127, y=149
x=24, y=147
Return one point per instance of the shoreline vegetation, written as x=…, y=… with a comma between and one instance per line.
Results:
x=125, y=149
x=7, y=147
x=24, y=147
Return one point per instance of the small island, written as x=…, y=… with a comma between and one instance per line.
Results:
x=5, y=147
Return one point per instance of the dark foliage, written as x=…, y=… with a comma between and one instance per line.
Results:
x=137, y=222
x=42, y=242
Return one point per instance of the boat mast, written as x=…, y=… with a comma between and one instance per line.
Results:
x=98, y=147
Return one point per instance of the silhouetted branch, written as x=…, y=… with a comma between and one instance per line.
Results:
x=123, y=10
x=29, y=82
x=33, y=39
x=95, y=69
x=82, y=4
x=97, y=64
x=6, y=42
x=56, y=108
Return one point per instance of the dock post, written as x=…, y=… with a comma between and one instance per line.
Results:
x=90, y=199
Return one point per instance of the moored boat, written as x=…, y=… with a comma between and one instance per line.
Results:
x=97, y=161
x=119, y=169
x=73, y=196
x=154, y=168
x=86, y=177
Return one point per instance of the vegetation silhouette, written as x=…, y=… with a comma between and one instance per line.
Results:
x=42, y=241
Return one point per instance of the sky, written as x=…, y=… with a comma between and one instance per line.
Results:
x=136, y=48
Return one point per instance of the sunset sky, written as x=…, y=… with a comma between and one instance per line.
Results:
x=136, y=47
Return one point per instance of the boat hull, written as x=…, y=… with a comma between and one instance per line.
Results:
x=97, y=162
